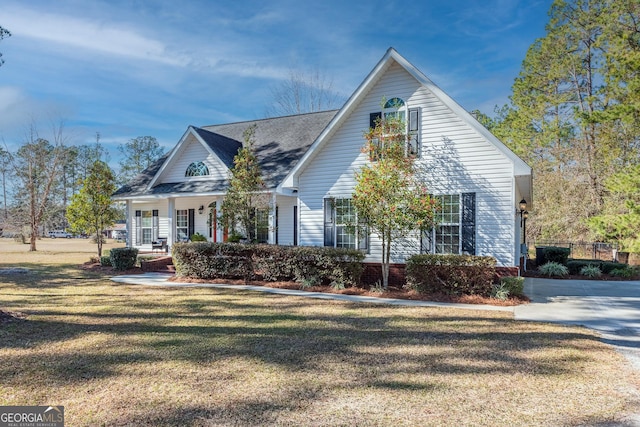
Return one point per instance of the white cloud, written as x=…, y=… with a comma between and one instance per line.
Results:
x=93, y=35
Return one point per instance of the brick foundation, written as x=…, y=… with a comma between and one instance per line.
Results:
x=164, y=263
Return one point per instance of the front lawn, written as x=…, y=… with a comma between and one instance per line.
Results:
x=131, y=355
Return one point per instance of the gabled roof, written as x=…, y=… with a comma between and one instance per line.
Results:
x=291, y=181
x=280, y=142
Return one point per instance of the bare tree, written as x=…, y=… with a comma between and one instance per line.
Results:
x=303, y=93
x=3, y=33
x=4, y=172
x=36, y=166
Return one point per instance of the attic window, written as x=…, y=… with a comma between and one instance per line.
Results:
x=395, y=103
x=197, y=169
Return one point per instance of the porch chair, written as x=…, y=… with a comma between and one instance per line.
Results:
x=160, y=244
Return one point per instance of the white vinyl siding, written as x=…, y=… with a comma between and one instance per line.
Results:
x=193, y=151
x=286, y=222
x=454, y=159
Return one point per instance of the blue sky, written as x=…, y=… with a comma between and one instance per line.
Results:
x=134, y=68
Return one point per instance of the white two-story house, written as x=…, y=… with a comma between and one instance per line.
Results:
x=309, y=161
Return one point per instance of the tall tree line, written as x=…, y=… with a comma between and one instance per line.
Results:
x=574, y=114
x=39, y=179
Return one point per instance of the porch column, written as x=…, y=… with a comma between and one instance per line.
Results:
x=171, y=212
x=272, y=219
x=128, y=211
x=219, y=226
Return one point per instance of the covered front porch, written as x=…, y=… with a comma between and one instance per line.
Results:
x=178, y=219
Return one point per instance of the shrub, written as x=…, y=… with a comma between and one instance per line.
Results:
x=204, y=260
x=607, y=267
x=576, y=265
x=307, y=265
x=500, y=291
x=123, y=258
x=591, y=271
x=198, y=238
x=553, y=269
x=556, y=254
x=105, y=260
x=451, y=274
x=514, y=285
x=625, y=272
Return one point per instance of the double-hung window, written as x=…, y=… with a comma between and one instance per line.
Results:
x=447, y=232
x=341, y=227
x=185, y=219
x=262, y=225
x=395, y=108
x=147, y=226
x=455, y=229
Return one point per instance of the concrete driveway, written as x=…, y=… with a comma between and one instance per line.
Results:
x=612, y=308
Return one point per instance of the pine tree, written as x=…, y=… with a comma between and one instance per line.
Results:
x=246, y=194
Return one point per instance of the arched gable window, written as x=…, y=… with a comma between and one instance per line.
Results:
x=394, y=103
x=394, y=107
x=197, y=169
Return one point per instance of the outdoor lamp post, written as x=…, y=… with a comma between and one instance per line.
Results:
x=524, y=214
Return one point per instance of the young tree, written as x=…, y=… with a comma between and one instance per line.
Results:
x=246, y=194
x=91, y=210
x=137, y=155
x=37, y=166
x=389, y=199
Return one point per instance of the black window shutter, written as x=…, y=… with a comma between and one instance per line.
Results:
x=426, y=241
x=156, y=225
x=329, y=223
x=295, y=226
x=276, y=225
x=414, y=121
x=374, y=118
x=413, y=146
x=468, y=223
x=191, y=223
x=138, y=227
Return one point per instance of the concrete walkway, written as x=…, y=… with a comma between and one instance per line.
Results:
x=611, y=308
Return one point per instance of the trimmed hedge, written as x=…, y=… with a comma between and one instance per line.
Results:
x=556, y=254
x=105, y=260
x=275, y=263
x=204, y=260
x=575, y=265
x=123, y=258
x=451, y=274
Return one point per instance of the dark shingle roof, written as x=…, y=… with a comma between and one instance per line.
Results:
x=279, y=143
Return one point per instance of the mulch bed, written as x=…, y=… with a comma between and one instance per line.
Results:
x=392, y=292
x=108, y=270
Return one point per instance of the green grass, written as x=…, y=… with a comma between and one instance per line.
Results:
x=131, y=355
